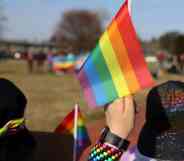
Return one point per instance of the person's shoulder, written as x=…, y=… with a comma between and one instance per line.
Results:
x=133, y=154
x=53, y=147
x=129, y=155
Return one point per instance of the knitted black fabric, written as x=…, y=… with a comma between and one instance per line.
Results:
x=12, y=102
x=162, y=136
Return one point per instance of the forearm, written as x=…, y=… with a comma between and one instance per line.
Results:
x=120, y=116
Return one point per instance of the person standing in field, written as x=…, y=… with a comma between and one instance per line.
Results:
x=30, y=61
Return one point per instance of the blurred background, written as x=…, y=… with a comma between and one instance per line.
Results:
x=44, y=42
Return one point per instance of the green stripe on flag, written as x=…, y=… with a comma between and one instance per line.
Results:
x=104, y=73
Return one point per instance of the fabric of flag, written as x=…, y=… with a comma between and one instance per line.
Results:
x=116, y=67
x=67, y=125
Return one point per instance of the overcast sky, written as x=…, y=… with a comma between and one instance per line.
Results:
x=36, y=19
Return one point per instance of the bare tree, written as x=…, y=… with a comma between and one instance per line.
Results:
x=78, y=31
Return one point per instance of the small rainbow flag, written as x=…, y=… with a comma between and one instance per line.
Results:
x=74, y=124
x=116, y=67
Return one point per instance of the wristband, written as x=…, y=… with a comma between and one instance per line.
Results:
x=108, y=137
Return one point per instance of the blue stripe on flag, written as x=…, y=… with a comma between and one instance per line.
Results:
x=95, y=82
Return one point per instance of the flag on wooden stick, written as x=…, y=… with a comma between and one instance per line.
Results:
x=116, y=67
x=74, y=124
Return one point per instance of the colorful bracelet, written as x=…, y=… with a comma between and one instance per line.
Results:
x=104, y=152
x=108, y=137
x=12, y=126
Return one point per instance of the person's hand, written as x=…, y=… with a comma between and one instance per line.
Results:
x=120, y=116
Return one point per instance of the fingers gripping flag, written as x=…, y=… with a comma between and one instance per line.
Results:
x=116, y=67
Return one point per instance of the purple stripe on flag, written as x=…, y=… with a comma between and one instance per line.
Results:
x=88, y=93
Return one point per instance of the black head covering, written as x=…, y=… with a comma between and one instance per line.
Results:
x=162, y=136
x=12, y=102
x=19, y=146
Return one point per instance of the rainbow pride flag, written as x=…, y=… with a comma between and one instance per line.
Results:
x=74, y=124
x=116, y=67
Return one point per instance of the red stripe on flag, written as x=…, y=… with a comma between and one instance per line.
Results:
x=123, y=59
x=67, y=123
x=133, y=46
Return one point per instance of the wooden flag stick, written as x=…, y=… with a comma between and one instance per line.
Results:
x=130, y=6
x=75, y=133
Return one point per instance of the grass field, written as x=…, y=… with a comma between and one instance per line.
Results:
x=51, y=97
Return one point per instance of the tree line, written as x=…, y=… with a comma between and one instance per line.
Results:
x=79, y=30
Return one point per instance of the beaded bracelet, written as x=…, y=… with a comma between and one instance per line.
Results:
x=104, y=152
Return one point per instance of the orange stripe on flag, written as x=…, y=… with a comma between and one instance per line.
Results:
x=113, y=65
x=70, y=127
x=122, y=57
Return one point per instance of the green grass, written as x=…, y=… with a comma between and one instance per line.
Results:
x=51, y=97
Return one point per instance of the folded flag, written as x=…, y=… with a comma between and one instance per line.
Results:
x=74, y=124
x=116, y=67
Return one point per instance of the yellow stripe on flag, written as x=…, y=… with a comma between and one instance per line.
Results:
x=80, y=122
x=113, y=66
x=122, y=57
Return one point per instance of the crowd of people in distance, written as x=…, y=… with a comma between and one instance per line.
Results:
x=53, y=62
